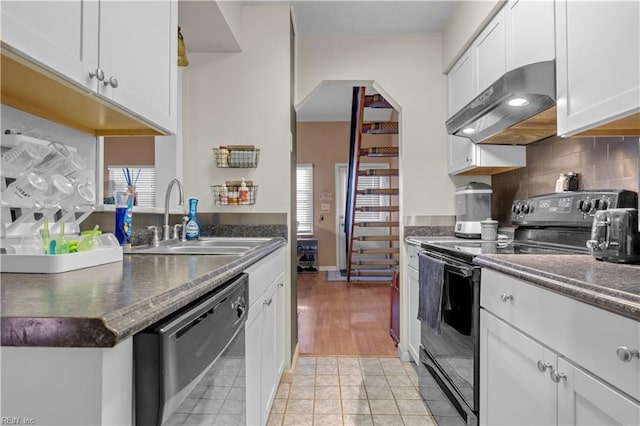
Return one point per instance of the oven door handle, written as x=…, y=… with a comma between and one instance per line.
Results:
x=455, y=267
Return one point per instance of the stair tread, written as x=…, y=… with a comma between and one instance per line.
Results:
x=379, y=172
x=372, y=238
x=380, y=127
x=380, y=151
x=375, y=224
x=377, y=250
x=378, y=191
x=376, y=101
x=378, y=208
x=373, y=262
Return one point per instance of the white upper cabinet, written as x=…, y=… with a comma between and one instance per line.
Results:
x=60, y=36
x=598, y=63
x=530, y=32
x=461, y=84
x=138, y=48
x=126, y=52
x=489, y=52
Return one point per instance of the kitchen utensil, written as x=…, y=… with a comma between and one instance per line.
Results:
x=24, y=191
x=89, y=241
x=615, y=236
x=472, y=205
x=489, y=229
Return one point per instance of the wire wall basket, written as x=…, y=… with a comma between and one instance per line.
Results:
x=230, y=195
x=230, y=157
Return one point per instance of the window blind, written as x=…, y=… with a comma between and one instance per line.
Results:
x=145, y=186
x=304, y=198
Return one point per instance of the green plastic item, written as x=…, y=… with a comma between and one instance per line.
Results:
x=90, y=239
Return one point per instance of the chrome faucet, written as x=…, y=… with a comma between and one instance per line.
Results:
x=165, y=227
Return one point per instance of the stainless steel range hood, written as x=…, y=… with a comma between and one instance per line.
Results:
x=518, y=108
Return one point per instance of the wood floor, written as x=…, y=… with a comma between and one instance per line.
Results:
x=340, y=318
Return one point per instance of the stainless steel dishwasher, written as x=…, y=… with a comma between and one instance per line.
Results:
x=172, y=355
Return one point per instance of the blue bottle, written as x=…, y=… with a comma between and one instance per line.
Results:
x=193, y=224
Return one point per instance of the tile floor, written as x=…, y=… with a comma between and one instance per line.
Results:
x=351, y=391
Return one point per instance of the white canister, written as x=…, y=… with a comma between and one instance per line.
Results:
x=489, y=229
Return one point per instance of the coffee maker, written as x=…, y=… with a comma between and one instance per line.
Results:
x=472, y=205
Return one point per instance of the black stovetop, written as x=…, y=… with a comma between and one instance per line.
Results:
x=467, y=249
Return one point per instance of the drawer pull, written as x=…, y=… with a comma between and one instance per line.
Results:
x=626, y=355
x=557, y=377
x=506, y=297
x=544, y=366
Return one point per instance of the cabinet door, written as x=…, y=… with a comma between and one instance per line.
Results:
x=489, y=51
x=513, y=389
x=597, y=64
x=585, y=400
x=268, y=368
x=138, y=48
x=530, y=32
x=414, y=323
x=461, y=83
x=462, y=154
x=60, y=36
x=281, y=313
x=253, y=359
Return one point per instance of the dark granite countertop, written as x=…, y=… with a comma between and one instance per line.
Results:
x=611, y=286
x=103, y=305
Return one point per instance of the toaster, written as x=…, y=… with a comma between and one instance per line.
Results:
x=615, y=236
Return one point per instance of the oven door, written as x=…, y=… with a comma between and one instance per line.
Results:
x=453, y=354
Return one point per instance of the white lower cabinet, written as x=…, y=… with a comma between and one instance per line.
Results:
x=546, y=359
x=413, y=286
x=525, y=383
x=513, y=390
x=585, y=400
x=264, y=336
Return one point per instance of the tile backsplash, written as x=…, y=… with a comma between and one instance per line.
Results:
x=601, y=163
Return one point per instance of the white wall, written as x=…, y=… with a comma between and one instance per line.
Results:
x=237, y=99
x=465, y=22
x=408, y=68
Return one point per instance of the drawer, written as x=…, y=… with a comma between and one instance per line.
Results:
x=264, y=273
x=587, y=335
x=412, y=255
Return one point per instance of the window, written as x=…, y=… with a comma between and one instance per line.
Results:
x=304, y=199
x=145, y=183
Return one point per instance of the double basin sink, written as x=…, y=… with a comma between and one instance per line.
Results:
x=207, y=245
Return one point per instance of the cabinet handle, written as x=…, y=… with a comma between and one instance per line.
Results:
x=268, y=302
x=557, y=377
x=97, y=74
x=506, y=297
x=113, y=82
x=544, y=366
x=468, y=159
x=626, y=355
x=281, y=284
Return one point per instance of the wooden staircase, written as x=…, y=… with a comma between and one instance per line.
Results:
x=373, y=245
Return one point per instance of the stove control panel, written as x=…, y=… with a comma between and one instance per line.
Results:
x=569, y=208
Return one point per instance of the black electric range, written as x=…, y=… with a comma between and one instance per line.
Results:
x=550, y=224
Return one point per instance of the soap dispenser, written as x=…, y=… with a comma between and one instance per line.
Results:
x=193, y=226
x=243, y=193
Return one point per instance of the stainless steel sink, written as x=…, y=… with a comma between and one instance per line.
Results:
x=208, y=245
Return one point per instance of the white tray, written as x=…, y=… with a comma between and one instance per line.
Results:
x=52, y=264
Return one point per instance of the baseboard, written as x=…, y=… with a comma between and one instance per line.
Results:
x=287, y=374
x=328, y=268
x=403, y=354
